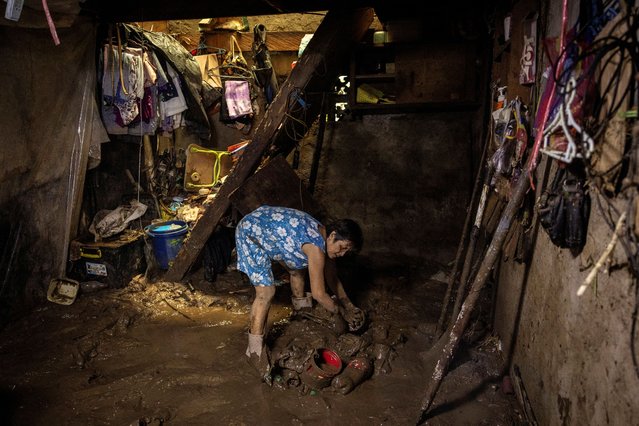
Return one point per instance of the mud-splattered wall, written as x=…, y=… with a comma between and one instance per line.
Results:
x=574, y=352
x=48, y=93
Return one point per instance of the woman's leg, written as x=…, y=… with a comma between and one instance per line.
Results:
x=300, y=299
x=297, y=282
x=258, y=356
x=259, y=309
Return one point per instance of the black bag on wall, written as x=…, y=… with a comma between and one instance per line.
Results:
x=564, y=210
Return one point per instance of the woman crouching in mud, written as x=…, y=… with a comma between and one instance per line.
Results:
x=298, y=242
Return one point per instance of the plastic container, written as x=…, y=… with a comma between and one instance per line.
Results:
x=321, y=368
x=167, y=238
x=358, y=370
x=62, y=291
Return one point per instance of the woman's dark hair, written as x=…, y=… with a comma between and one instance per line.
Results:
x=347, y=229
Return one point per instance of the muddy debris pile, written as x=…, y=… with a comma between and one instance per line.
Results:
x=315, y=352
x=183, y=299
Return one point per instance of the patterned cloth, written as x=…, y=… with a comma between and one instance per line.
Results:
x=274, y=234
x=237, y=95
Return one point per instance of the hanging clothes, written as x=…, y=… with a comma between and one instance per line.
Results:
x=152, y=86
x=127, y=78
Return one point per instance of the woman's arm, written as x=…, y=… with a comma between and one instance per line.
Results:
x=352, y=314
x=316, y=263
x=335, y=285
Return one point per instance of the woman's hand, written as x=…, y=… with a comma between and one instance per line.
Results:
x=354, y=316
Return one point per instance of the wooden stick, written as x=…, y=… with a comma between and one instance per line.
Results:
x=452, y=278
x=487, y=265
x=470, y=254
x=604, y=256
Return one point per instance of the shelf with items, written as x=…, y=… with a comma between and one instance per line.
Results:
x=412, y=77
x=372, y=76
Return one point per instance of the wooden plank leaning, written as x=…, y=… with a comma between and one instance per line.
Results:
x=328, y=48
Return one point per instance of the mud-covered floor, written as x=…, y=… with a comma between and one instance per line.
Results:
x=165, y=353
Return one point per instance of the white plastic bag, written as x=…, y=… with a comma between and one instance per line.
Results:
x=110, y=222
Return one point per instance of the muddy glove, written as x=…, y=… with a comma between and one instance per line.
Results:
x=338, y=324
x=354, y=316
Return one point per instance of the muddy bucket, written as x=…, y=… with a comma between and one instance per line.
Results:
x=167, y=238
x=321, y=368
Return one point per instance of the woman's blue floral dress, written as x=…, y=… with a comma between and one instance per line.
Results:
x=274, y=234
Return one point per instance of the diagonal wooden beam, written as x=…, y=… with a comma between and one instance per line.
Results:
x=327, y=50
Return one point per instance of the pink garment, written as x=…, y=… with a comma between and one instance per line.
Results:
x=238, y=98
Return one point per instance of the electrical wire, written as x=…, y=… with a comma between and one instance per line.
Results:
x=589, y=60
x=296, y=107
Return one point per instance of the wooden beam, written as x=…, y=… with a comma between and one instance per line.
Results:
x=328, y=48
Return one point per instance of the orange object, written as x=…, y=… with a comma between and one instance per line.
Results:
x=237, y=146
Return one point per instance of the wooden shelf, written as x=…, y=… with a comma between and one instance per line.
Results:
x=398, y=108
x=367, y=66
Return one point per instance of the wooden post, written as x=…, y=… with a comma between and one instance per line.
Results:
x=317, y=152
x=328, y=48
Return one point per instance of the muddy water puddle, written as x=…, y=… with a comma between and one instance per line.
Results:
x=165, y=353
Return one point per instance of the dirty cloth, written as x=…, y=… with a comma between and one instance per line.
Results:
x=274, y=234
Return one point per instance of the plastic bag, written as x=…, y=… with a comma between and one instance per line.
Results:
x=107, y=223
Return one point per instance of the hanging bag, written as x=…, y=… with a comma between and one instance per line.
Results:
x=234, y=62
x=564, y=210
x=552, y=210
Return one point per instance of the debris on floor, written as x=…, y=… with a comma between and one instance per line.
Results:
x=175, y=352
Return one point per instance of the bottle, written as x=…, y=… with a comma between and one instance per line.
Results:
x=358, y=370
x=501, y=97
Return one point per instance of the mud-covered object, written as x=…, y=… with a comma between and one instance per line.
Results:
x=382, y=356
x=564, y=210
x=357, y=370
x=293, y=357
x=333, y=322
x=349, y=344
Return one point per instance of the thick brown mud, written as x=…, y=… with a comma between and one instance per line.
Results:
x=171, y=353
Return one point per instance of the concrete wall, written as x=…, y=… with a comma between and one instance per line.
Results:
x=574, y=352
x=404, y=177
